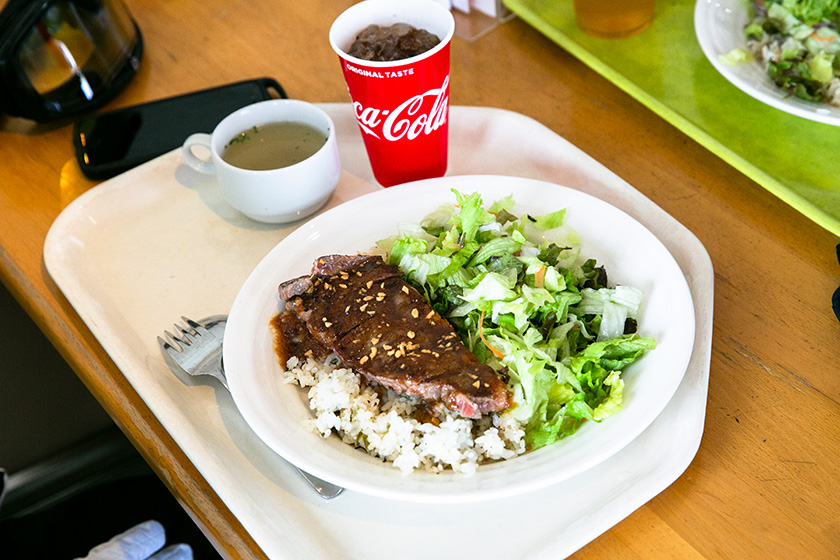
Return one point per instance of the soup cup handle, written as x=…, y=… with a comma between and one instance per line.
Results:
x=201, y=165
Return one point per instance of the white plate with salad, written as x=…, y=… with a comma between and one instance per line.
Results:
x=722, y=28
x=632, y=256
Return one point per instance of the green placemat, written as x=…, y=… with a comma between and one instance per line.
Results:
x=663, y=67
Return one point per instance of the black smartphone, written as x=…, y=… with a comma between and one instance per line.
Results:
x=115, y=141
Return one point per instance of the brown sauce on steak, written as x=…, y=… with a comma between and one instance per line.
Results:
x=291, y=338
x=377, y=324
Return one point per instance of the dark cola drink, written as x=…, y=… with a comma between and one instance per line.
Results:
x=393, y=42
x=401, y=105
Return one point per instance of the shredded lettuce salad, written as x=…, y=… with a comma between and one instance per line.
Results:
x=806, y=32
x=526, y=304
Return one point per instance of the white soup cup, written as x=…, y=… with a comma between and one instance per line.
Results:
x=280, y=195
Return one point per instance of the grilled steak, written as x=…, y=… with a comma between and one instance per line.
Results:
x=380, y=326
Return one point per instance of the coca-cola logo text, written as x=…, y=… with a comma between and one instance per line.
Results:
x=408, y=119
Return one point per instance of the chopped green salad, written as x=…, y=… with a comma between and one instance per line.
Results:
x=526, y=304
x=799, y=43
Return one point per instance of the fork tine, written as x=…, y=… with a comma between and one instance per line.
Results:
x=168, y=346
x=192, y=324
x=188, y=335
x=175, y=341
x=198, y=328
x=181, y=329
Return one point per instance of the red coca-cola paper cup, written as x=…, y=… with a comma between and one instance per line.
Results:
x=402, y=106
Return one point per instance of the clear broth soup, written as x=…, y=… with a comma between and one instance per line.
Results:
x=273, y=145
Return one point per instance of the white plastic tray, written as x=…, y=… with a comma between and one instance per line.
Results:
x=135, y=253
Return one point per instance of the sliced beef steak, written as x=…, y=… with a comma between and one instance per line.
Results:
x=324, y=300
x=383, y=328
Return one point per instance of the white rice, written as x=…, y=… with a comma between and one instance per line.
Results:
x=385, y=427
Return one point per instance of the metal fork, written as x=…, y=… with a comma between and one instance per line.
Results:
x=195, y=348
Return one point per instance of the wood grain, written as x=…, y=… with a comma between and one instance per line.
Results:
x=766, y=480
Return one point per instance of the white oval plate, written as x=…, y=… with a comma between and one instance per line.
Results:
x=632, y=255
x=719, y=25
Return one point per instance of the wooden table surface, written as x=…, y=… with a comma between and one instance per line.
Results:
x=766, y=480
